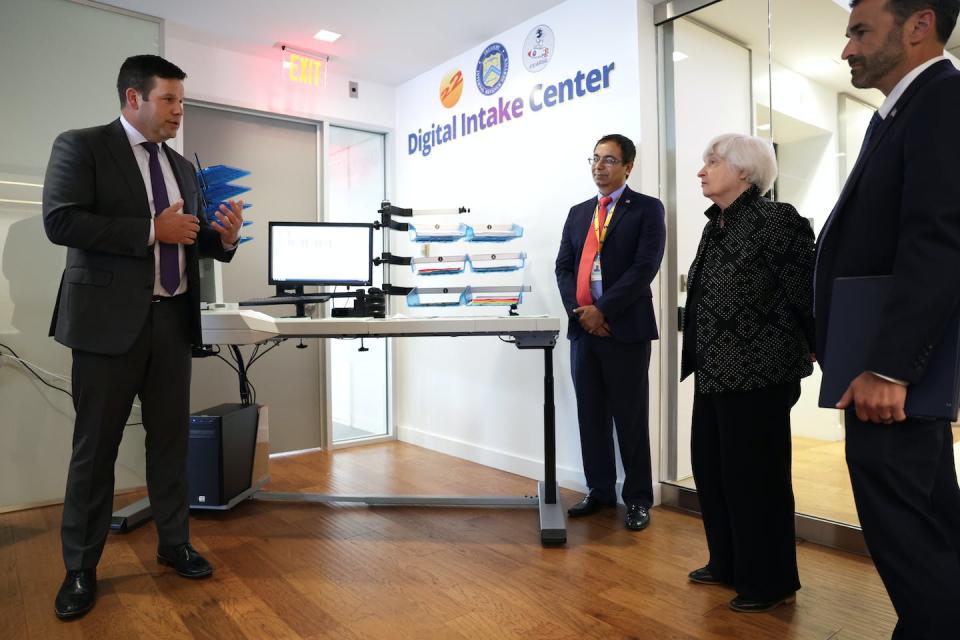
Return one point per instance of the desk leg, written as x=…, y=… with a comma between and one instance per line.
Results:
x=549, y=429
x=553, y=526
x=131, y=516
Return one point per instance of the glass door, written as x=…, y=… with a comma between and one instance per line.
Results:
x=358, y=370
x=771, y=68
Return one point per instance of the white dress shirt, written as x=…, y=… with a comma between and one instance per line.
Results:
x=173, y=194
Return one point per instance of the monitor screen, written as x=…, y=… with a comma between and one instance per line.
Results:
x=321, y=253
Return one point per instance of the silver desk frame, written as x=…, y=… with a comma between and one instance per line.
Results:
x=228, y=325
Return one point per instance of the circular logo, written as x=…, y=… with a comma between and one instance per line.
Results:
x=492, y=69
x=451, y=88
x=538, y=48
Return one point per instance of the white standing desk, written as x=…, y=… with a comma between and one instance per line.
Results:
x=226, y=324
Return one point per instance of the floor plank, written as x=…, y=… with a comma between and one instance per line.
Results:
x=346, y=571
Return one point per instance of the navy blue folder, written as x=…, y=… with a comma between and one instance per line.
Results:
x=854, y=322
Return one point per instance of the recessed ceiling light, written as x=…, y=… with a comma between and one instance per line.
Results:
x=326, y=36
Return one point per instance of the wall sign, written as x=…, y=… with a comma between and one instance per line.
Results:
x=542, y=96
x=300, y=68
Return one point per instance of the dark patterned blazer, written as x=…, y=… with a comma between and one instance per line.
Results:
x=752, y=284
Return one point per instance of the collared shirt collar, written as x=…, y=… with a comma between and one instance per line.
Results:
x=133, y=135
x=905, y=82
x=615, y=196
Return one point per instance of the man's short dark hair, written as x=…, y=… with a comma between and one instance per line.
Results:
x=945, y=10
x=138, y=72
x=627, y=148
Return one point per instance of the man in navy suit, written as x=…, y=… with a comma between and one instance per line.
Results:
x=610, y=252
x=899, y=215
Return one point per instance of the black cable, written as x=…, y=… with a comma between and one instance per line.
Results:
x=257, y=357
x=35, y=374
x=514, y=341
x=244, y=384
x=229, y=364
x=52, y=386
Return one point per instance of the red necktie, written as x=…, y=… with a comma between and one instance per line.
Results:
x=590, y=248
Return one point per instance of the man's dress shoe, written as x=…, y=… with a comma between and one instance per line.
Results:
x=703, y=576
x=637, y=517
x=77, y=594
x=748, y=605
x=185, y=560
x=589, y=505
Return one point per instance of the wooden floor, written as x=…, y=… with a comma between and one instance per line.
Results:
x=349, y=571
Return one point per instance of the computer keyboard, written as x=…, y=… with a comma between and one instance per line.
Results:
x=304, y=299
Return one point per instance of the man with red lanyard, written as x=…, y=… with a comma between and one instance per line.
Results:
x=609, y=254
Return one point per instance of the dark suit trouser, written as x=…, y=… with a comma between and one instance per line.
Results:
x=157, y=368
x=741, y=454
x=611, y=385
x=905, y=486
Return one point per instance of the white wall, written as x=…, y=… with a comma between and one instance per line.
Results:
x=475, y=397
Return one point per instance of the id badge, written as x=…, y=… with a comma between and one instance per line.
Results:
x=595, y=273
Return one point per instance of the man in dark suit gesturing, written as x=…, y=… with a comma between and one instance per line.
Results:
x=899, y=215
x=128, y=209
x=609, y=254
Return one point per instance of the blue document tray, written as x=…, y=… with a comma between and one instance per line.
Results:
x=437, y=232
x=435, y=297
x=493, y=296
x=220, y=174
x=497, y=262
x=219, y=193
x=439, y=265
x=494, y=232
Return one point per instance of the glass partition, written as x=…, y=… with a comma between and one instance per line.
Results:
x=799, y=97
x=356, y=185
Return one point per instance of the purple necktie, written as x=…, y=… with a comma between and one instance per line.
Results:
x=169, y=256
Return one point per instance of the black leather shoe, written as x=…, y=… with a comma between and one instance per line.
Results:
x=185, y=560
x=77, y=594
x=638, y=518
x=747, y=605
x=703, y=576
x=588, y=506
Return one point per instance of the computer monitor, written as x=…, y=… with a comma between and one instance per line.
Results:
x=320, y=253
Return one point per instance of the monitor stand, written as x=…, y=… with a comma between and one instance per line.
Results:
x=296, y=291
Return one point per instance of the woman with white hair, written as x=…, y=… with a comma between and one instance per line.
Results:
x=748, y=331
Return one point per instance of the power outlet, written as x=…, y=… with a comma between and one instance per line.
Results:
x=354, y=89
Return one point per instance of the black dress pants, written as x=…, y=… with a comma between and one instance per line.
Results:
x=741, y=456
x=157, y=369
x=905, y=486
x=611, y=385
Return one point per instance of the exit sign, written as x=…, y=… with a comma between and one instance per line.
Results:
x=301, y=68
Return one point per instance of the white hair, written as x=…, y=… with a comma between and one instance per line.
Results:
x=747, y=153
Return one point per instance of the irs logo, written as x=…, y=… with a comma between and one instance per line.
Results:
x=492, y=69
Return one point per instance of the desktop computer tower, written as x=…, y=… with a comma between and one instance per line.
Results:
x=220, y=455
